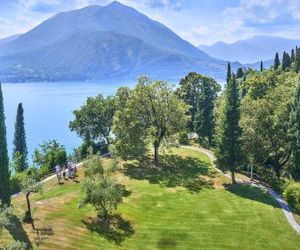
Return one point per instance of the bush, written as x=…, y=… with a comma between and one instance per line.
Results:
x=292, y=195
x=15, y=182
x=183, y=138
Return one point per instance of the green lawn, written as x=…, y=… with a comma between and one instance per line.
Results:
x=183, y=204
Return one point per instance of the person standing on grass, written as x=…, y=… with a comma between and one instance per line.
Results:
x=74, y=171
x=58, y=173
x=69, y=170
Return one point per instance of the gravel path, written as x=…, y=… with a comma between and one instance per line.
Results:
x=284, y=206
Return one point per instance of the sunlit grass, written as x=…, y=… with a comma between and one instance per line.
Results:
x=181, y=204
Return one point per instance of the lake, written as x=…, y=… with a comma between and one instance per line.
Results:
x=48, y=109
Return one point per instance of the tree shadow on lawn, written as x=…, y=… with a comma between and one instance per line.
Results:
x=17, y=231
x=173, y=171
x=251, y=193
x=115, y=228
x=42, y=233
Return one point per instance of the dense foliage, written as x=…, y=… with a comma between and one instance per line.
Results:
x=152, y=114
x=20, y=147
x=228, y=131
x=49, y=154
x=4, y=164
x=93, y=121
x=200, y=93
x=265, y=119
x=100, y=187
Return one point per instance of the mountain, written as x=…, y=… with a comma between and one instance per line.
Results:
x=250, y=50
x=97, y=42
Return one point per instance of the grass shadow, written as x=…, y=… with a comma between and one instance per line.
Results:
x=17, y=231
x=115, y=229
x=173, y=171
x=251, y=193
x=42, y=233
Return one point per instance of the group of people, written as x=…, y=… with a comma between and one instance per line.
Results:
x=68, y=171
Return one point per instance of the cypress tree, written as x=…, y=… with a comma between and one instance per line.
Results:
x=261, y=66
x=20, y=147
x=239, y=73
x=228, y=72
x=297, y=60
x=229, y=132
x=284, y=61
x=276, y=62
x=288, y=60
x=295, y=127
x=292, y=55
x=4, y=166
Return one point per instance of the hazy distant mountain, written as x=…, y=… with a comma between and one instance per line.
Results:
x=8, y=39
x=250, y=50
x=97, y=42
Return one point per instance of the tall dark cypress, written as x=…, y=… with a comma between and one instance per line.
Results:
x=228, y=72
x=229, y=132
x=4, y=166
x=292, y=55
x=20, y=147
x=297, y=60
x=288, y=60
x=261, y=66
x=284, y=61
x=295, y=127
x=276, y=62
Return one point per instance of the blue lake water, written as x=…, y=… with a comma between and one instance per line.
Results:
x=48, y=109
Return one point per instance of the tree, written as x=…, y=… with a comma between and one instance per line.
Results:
x=189, y=91
x=229, y=131
x=286, y=61
x=30, y=185
x=261, y=66
x=100, y=188
x=240, y=73
x=49, y=154
x=295, y=128
x=265, y=120
x=200, y=93
x=204, y=123
x=4, y=165
x=293, y=55
x=153, y=114
x=20, y=147
x=297, y=60
x=229, y=73
x=276, y=62
x=93, y=121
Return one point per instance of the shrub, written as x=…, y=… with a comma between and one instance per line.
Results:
x=183, y=138
x=292, y=195
x=16, y=182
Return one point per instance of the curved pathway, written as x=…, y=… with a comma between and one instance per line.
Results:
x=284, y=206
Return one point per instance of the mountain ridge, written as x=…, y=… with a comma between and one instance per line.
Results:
x=251, y=50
x=172, y=55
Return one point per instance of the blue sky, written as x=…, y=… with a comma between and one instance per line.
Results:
x=198, y=21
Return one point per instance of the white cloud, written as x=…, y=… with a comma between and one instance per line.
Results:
x=294, y=8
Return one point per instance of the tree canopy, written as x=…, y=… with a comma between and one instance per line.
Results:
x=152, y=114
x=93, y=121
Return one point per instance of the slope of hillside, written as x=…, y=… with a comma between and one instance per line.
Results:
x=250, y=50
x=185, y=205
x=102, y=41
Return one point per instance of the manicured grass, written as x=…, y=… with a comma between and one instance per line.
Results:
x=183, y=204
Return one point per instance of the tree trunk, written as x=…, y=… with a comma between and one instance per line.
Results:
x=156, y=146
x=28, y=206
x=233, y=177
